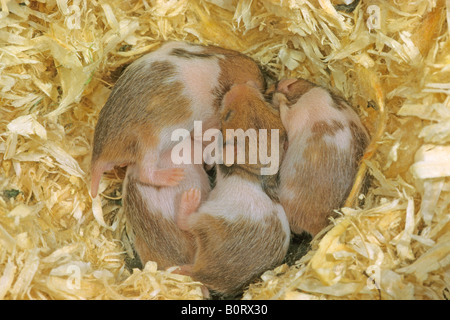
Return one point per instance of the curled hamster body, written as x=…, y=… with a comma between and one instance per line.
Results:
x=240, y=229
x=164, y=90
x=151, y=213
x=326, y=141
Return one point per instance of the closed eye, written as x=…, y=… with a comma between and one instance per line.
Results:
x=228, y=115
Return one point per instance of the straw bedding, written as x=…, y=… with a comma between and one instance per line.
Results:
x=59, y=60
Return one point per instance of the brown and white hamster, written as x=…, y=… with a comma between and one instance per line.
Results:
x=151, y=212
x=241, y=229
x=164, y=90
x=326, y=141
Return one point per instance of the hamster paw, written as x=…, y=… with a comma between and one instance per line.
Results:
x=190, y=201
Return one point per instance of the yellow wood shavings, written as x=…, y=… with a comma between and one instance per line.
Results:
x=59, y=60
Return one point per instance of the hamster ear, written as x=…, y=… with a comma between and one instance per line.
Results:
x=284, y=85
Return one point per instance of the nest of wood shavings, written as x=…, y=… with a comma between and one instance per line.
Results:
x=59, y=60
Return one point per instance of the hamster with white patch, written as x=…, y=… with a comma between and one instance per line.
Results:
x=326, y=142
x=164, y=90
x=151, y=212
x=241, y=229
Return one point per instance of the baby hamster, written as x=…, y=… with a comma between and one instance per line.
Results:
x=326, y=141
x=151, y=212
x=241, y=230
x=164, y=90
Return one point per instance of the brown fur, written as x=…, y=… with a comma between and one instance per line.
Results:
x=233, y=252
x=248, y=110
x=317, y=191
x=236, y=68
x=143, y=102
x=169, y=245
x=221, y=247
x=319, y=176
x=360, y=140
x=322, y=128
x=124, y=117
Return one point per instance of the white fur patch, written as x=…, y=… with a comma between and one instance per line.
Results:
x=235, y=197
x=341, y=139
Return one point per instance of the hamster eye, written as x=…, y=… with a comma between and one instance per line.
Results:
x=228, y=115
x=291, y=102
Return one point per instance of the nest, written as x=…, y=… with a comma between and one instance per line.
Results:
x=60, y=58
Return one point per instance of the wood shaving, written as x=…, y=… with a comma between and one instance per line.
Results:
x=60, y=58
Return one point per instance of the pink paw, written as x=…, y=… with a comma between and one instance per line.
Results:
x=190, y=201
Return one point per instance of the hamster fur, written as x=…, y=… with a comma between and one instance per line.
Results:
x=151, y=213
x=241, y=230
x=164, y=90
x=326, y=141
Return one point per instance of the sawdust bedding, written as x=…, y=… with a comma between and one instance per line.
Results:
x=59, y=60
